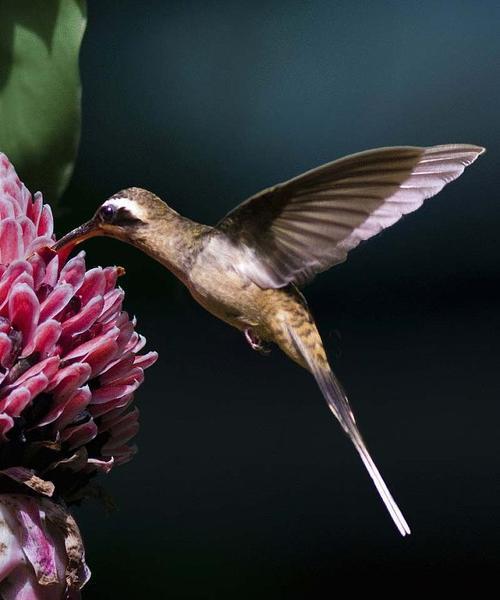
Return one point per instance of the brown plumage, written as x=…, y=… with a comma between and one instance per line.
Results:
x=246, y=269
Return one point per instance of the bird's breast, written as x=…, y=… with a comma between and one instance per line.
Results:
x=217, y=286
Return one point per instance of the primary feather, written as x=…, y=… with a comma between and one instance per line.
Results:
x=306, y=225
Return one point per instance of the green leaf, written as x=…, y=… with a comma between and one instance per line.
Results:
x=40, y=89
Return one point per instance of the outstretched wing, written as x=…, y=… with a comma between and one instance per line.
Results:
x=298, y=228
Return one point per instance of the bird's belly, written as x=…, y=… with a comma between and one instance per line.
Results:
x=226, y=297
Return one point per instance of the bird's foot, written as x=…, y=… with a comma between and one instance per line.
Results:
x=255, y=342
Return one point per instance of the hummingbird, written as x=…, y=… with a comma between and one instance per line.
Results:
x=248, y=268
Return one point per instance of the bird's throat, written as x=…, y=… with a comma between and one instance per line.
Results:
x=174, y=243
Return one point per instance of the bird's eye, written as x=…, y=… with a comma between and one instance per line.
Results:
x=107, y=213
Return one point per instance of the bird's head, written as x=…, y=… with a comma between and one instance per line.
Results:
x=125, y=216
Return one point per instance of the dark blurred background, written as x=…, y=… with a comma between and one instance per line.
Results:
x=244, y=485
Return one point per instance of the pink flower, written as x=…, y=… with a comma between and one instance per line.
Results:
x=69, y=367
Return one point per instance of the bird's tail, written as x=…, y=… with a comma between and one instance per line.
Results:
x=310, y=349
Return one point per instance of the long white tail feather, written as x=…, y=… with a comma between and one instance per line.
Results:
x=339, y=405
x=385, y=494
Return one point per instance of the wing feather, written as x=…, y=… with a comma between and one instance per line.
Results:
x=306, y=225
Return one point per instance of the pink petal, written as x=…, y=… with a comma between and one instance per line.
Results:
x=125, y=430
x=146, y=360
x=102, y=465
x=117, y=404
x=119, y=369
x=136, y=374
x=44, y=340
x=111, y=276
x=69, y=378
x=47, y=366
x=10, y=356
x=79, y=435
x=23, y=196
x=56, y=301
x=101, y=356
x=6, y=208
x=36, y=385
x=86, y=348
x=75, y=405
x=110, y=325
x=37, y=244
x=138, y=345
x=34, y=209
x=58, y=409
x=4, y=325
x=117, y=359
x=132, y=343
x=52, y=272
x=11, y=241
x=25, y=278
x=10, y=187
x=110, y=392
x=112, y=304
x=14, y=270
x=24, y=310
x=28, y=231
x=6, y=423
x=113, y=415
x=83, y=320
x=38, y=265
x=117, y=419
x=94, y=284
x=126, y=331
x=122, y=320
x=46, y=222
x=65, y=385
x=16, y=401
x=5, y=349
x=73, y=271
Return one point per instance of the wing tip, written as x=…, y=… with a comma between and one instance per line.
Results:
x=468, y=152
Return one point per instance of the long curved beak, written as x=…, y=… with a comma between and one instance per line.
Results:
x=79, y=234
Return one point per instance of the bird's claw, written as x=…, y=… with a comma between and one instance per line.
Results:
x=255, y=342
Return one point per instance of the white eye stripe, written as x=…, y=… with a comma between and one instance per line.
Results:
x=120, y=202
x=129, y=205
